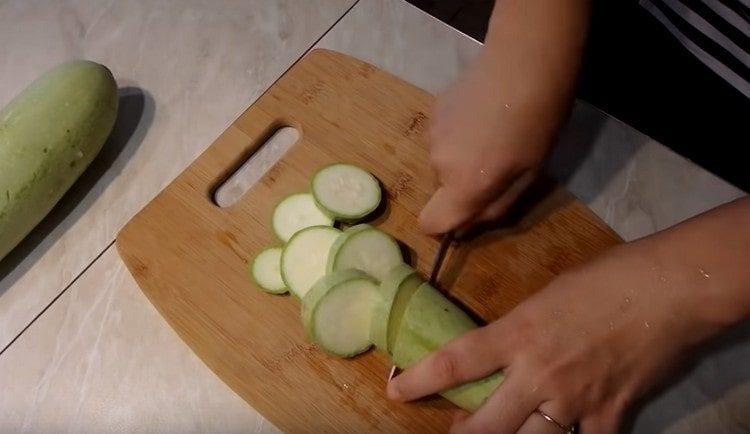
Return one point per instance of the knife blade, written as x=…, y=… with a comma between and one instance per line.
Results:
x=445, y=243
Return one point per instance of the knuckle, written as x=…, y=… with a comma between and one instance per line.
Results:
x=552, y=383
x=447, y=367
x=539, y=382
x=484, y=184
x=525, y=333
x=620, y=404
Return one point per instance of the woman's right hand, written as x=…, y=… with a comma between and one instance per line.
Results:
x=485, y=147
x=492, y=129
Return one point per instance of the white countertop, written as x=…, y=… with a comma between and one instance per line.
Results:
x=186, y=70
x=100, y=358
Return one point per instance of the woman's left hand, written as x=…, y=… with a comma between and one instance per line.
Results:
x=581, y=350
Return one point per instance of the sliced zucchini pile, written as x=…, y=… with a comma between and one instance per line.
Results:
x=355, y=288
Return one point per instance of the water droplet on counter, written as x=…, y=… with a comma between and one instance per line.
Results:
x=646, y=324
x=663, y=278
x=346, y=386
x=703, y=273
x=507, y=106
x=627, y=300
x=611, y=325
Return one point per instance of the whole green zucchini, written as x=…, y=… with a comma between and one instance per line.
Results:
x=49, y=134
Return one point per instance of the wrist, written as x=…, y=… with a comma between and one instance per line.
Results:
x=656, y=285
x=521, y=99
x=536, y=46
x=707, y=291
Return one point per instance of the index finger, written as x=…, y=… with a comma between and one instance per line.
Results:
x=472, y=356
x=447, y=209
x=504, y=412
x=459, y=202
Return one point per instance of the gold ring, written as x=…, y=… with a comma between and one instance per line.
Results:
x=550, y=419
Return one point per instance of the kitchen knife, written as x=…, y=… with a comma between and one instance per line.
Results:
x=445, y=243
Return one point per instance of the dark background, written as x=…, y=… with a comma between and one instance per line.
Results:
x=636, y=71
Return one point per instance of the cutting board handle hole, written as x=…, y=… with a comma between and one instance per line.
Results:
x=267, y=154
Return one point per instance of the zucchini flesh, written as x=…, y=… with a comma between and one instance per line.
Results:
x=266, y=270
x=389, y=288
x=303, y=260
x=341, y=318
x=319, y=289
x=400, y=303
x=369, y=250
x=295, y=213
x=346, y=192
x=340, y=241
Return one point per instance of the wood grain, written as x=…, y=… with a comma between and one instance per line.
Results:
x=189, y=255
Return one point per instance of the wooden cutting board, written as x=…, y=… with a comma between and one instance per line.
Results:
x=189, y=255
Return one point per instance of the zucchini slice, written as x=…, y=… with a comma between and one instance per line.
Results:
x=399, y=277
x=295, y=213
x=303, y=260
x=266, y=270
x=346, y=192
x=366, y=249
x=338, y=311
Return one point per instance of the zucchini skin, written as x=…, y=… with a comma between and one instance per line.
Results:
x=49, y=134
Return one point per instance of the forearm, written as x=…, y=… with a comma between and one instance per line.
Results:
x=529, y=67
x=705, y=262
x=534, y=48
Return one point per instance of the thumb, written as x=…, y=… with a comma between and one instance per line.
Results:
x=446, y=210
